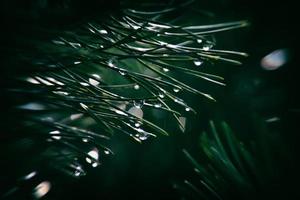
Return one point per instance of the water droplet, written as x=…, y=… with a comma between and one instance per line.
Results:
x=95, y=155
x=166, y=69
x=96, y=76
x=61, y=93
x=176, y=89
x=103, y=31
x=76, y=116
x=94, y=164
x=93, y=82
x=33, y=81
x=187, y=109
x=275, y=59
x=160, y=95
x=143, y=137
x=157, y=105
x=75, y=44
x=55, y=134
x=30, y=175
x=135, y=27
x=84, y=84
x=106, y=152
x=58, y=42
x=32, y=106
x=136, y=87
x=77, y=62
x=198, y=62
x=78, y=170
x=199, y=41
x=120, y=112
x=207, y=47
x=85, y=140
x=41, y=189
x=123, y=73
x=138, y=103
x=136, y=111
x=137, y=124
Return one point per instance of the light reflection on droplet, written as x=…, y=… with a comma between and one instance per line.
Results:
x=166, y=69
x=275, y=59
x=187, y=109
x=198, y=62
x=41, y=189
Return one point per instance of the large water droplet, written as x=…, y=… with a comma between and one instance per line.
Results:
x=136, y=111
x=41, y=189
x=198, y=62
x=136, y=87
x=93, y=82
x=187, y=109
x=103, y=31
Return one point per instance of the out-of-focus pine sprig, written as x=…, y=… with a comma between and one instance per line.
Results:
x=229, y=168
x=76, y=86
